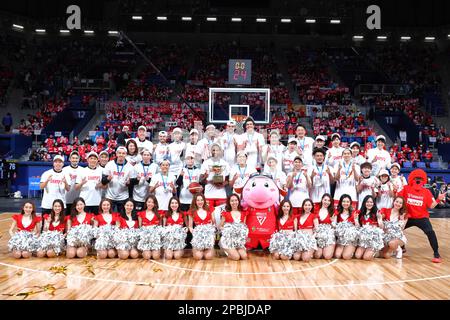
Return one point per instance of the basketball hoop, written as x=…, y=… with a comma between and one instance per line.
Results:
x=240, y=119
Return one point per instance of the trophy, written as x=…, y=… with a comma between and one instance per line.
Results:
x=218, y=177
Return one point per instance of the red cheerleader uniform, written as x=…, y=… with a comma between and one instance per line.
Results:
x=350, y=219
x=87, y=219
x=20, y=227
x=179, y=221
x=199, y=221
x=308, y=223
x=59, y=227
x=327, y=219
x=229, y=218
x=146, y=222
x=124, y=225
x=288, y=224
x=101, y=221
x=365, y=221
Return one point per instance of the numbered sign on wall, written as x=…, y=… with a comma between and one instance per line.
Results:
x=240, y=71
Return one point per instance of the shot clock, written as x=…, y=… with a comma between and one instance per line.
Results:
x=240, y=71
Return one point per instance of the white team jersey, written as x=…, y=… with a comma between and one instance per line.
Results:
x=163, y=193
x=346, y=183
x=134, y=159
x=54, y=189
x=368, y=185
x=300, y=190
x=243, y=175
x=71, y=177
x=211, y=191
x=278, y=176
x=306, y=145
x=204, y=147
x=228, y=144
x=382, y=160
x=288, y=160
x=143, y=173
x=320, y=182
x=161, y=153
x=359, y=160
x=252, y=143
x=117, y=190
x=384, y=200
x=275, y=151
x=89, y=191
x=189, y=176
x=333, y=156
x=399, y=181
x=146, y=144
x=175, y=151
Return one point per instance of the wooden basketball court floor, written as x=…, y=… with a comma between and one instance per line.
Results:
x=413, y=277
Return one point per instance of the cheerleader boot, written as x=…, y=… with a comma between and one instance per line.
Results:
x=399, y=254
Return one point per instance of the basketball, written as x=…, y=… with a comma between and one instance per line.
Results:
x=195, y=187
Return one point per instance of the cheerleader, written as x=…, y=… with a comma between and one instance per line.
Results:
x=241, y=172
x=298, y=184
x=142, y=176
x=279, y=177
x=326, y=240
x=304, y=240
x=203, y=235
x=398, y=181
x=234, y=230
x=28, y=222
x=346, y=177
x=346, y=233
x=78, y=239
x=163, y=186
x=176, y=151
x=356, y=156
x=55, y=221
x=385, y=194
x=334, y=154
x=215, y=167
x=174, y=239
x=147, y=218
x=280, y=244
x=252, y=142
x=133, y=157
x=105, y=217
x=228, y=143
x=274, y=149
x=367, y=183
x=369, y=220
x=127, y=237
x=394, y=221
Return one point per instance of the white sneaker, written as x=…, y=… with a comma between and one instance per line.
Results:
x=399, y=254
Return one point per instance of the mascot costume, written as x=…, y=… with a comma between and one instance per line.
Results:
x=418, y=199
x=260, y=198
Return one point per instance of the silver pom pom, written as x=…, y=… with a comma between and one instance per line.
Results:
x=126, y=239
x=281, y=243
x=392, y=230
x=325, y=235
x=23, y=241
x=174, y=237
x=347, y=234
x=104, y=236
x=52, y=240
x=80, y=236
x=203, y=237
x=371, y=237
x=234, y=236
x=303, y=241
x=150, y=238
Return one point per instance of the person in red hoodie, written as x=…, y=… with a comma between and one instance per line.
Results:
x=418, y=200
